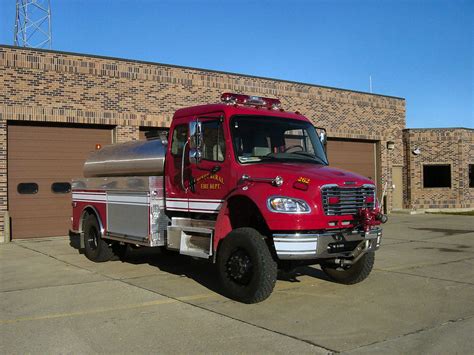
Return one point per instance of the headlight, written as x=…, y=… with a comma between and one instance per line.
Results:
x=282, y=204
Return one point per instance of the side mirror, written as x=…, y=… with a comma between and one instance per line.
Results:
x=323, y=137
x=195, y=156
x=195, y=142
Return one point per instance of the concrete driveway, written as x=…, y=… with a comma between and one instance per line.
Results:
x=419, y=299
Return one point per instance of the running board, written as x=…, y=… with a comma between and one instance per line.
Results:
x=127, y=239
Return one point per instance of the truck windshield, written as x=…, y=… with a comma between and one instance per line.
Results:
x=262, y=138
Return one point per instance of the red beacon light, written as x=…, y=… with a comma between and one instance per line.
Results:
x=239, y=99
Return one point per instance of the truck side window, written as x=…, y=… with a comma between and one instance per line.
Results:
x=213, y=148
x=180, y=135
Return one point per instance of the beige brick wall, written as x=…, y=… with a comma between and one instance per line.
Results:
x=71, y=88
x=126, y=133
x=3, y=173
x=453, y=146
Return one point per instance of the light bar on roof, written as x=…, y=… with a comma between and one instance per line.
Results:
x=239, y=99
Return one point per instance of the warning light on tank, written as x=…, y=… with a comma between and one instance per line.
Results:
x=98, y=146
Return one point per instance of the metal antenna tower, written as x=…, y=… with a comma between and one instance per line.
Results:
x=33, y=23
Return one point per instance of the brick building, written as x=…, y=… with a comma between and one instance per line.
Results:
x=55, y=106
x=440, y=168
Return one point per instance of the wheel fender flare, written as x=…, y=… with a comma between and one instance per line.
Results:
x=223, y=224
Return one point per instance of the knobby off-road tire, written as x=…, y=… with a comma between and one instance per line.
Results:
x=246, y=268
x=96, y=249
x=353, y=274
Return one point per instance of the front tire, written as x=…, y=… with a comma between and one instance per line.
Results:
x=353, y=274
x=246, y=268
x=96, y=249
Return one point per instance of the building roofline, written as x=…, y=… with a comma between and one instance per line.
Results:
x=192, y=68
x=438, y=128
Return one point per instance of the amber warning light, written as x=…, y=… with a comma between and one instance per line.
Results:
x=239, y=99
x=98, y=146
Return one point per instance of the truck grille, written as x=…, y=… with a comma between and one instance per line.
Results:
x=338, y=201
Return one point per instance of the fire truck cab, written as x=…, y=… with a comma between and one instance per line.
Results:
x=241, y=183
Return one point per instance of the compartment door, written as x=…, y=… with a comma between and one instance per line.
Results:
x=128, y=214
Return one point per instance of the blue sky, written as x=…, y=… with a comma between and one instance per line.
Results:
x=422, y=50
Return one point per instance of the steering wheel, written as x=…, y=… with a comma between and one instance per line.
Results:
x=293, y=147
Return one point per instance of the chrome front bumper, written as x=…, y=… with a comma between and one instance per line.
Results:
x=300, y=246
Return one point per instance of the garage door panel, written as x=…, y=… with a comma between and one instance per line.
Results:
x=45, y=203
x=33, y=146
x=354, y=156
x=26, y=169
x=73, y=142
x=55, y=215
x=61, y=211
x=43, y=208
x=44, y=188
x=36, y=198
x=40, y=226
x=50, y=154
x=45, y=155
x=62, y=134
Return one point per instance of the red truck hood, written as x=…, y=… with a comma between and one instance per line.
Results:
x=317, y=174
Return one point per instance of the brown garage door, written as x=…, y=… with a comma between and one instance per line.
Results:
x=42, y=159
x=355, y=156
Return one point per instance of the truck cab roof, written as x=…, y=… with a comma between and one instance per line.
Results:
x=235, y=109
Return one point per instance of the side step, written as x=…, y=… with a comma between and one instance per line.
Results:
x=196, y=242
x=191, y=237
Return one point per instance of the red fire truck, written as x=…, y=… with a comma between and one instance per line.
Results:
x=241, y=183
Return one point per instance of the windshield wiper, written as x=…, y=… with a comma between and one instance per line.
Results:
x=269, y=157
x=310, y=155
x=305, y=156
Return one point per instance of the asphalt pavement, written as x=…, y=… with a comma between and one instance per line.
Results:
x=418, y=299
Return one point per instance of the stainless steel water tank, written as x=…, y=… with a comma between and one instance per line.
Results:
x=127, y=159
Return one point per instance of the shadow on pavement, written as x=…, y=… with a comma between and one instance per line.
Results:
x=292, y=276
x=201, y=271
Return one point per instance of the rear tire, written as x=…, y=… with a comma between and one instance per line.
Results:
x=246, y=268
x=96, y=249
x=353, y=274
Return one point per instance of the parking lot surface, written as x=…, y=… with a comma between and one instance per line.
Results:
x=418, y=299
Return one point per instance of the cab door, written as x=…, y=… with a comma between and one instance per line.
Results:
x=177, y=168
x=209, y=182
